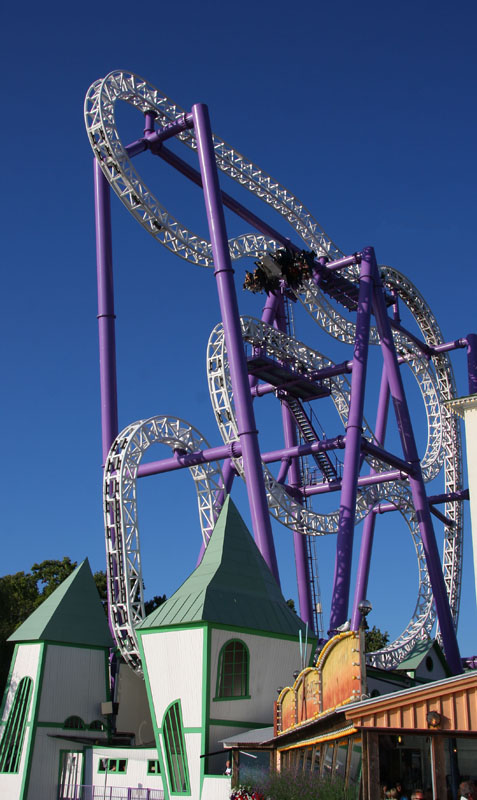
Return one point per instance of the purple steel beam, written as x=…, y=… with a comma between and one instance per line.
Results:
x=420, y=344
x=462, y=494
x=106, y=329
x=283, y=471
x=268, y=316
x=229, y=202
x=183, y=461
x=106, y=315
x=421, y=504
x=433, y=499
x=340, y=263
x=344, y=544
x=472, y=362
x=367, y=538
x=153, y=140
x=228, y=470
x=448, y=346
x=364, y=480
x=385, y=508
x=247, y=431
x=295, y=481
x=386, y=457
x=442, y=517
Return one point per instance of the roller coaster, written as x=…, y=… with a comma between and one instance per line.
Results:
x=249, y=357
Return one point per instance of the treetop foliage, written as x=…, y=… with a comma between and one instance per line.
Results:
x=22, y=593
x=375, y=639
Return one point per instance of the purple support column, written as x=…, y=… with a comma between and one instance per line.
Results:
x=344, y=544
x=247, y=431
x=294, y=480
x=416, y=481
x=472, y=361
x=370, y=521
x=106, y=315
x=268, y=315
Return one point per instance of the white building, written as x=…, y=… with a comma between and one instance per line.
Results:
x=213, y=655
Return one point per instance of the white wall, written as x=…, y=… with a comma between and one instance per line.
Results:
x=216, y=788
x=136, y=772
x=44, y=775
x=134, y=715
x=174, y=661
x=26, y=664
x=469, y=411
x=174, y=667
x=272, y=664
x=74, y=683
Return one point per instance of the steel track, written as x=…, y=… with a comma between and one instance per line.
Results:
x=434, y=376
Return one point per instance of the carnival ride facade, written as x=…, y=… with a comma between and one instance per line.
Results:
x=249, y=357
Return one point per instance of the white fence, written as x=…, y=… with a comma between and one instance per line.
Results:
x=111, y=793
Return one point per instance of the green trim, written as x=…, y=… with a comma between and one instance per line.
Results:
x=85, y=748
x=174, y=742
x=57, y=643
x=266, y=634
x=169, y=628
x=242, y=672
x=117, y=762
x=155, y=726
x=220, y=627
x=9, y=680
x=157, y=766
x=197, y=729
x=206, y=650
x=234, y=723
x=36, y=707
x=224, y=699
x=93, y=745
x=11, y=746
x=107, y=683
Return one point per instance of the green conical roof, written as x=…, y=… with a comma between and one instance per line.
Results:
x=72, y=614
x=231, y=586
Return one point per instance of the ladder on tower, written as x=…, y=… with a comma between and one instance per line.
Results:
x=314, y=586
x=322, y=459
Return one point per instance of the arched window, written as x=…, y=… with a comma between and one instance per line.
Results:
x=97, y=725
x=176, y=755
x=12, y=740
x=233, y=670
x=74, y=723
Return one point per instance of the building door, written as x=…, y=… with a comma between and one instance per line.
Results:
x=71, y=771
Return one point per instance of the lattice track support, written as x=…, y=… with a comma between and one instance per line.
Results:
x=332, y=282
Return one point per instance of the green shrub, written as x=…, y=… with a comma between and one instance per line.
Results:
x=302, y=786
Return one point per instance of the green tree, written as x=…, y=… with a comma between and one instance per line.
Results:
x=157, y=600
x=18, y=599
x=49, y=574
x=291, y=604
x=22, y=593
x=375, y=639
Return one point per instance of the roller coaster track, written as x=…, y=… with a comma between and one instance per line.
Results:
x=433, y=372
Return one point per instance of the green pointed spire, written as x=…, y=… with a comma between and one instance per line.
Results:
x=231, y=586
x=72, y=614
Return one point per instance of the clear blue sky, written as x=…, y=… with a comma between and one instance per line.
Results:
x=366, y=112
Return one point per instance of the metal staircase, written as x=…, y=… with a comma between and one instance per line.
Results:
x=322, y=459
